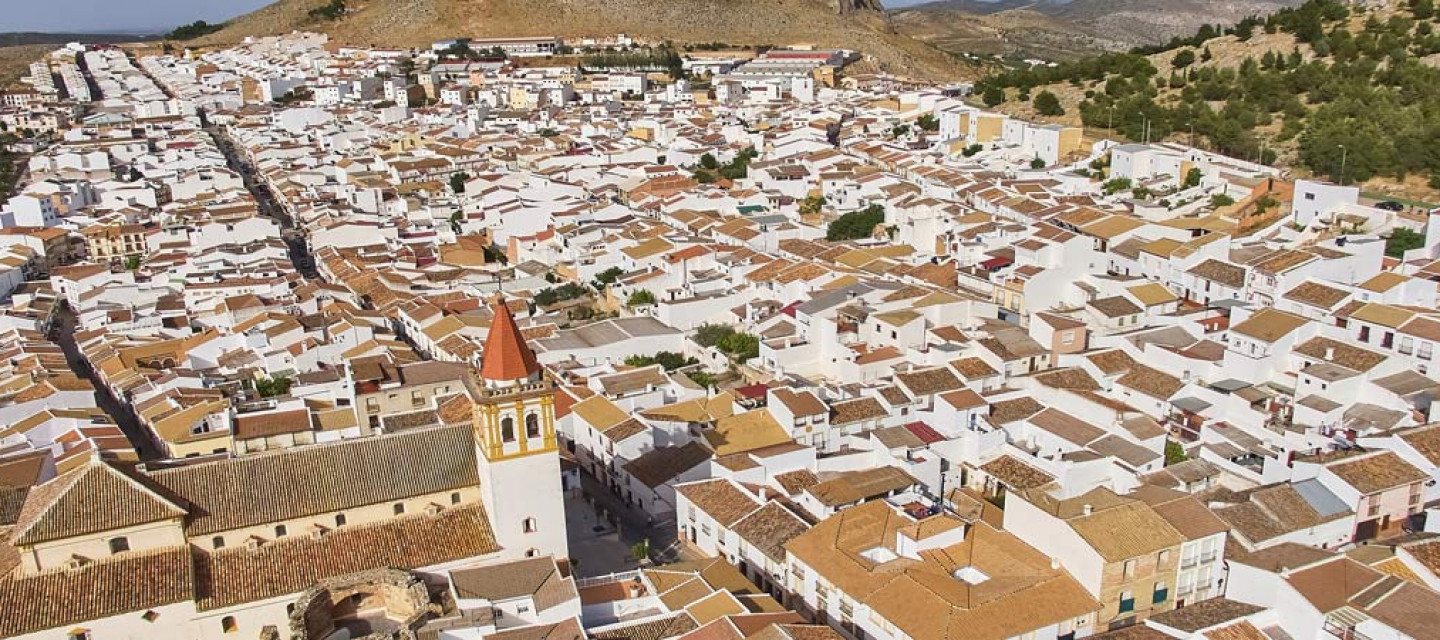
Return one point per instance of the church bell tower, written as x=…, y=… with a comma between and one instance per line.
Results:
x=518, y=456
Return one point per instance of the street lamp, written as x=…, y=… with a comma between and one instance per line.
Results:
x=1343, y=154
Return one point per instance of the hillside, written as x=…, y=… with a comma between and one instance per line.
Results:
x=1326, y=88
x=1065, y=30
x=852, y=24
x=15, y=62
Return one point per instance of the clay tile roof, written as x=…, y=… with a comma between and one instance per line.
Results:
x=1344, y=354
x=111, y=587
x=1016, y=474
x=769, y=528
x=89, y=500
x=722, y=500
x=1269, y=325
x=505, y=580
x=929, y=381
x=238, y=575
x=265, y=488
x=855, y=410
x=1375, y=473
x=663, y=464
x=1225, y=273
x=507, y=356
x=1205, y=614
x=1317, y=295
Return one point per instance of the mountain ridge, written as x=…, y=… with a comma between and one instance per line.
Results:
x=1062, y=30
x=852, y=24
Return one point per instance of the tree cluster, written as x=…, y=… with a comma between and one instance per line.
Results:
x=1366, y=95
x=193, y=30
x=333, y=10
x=567, y=291
x=737, y=345
x=709, y=169
x=856, y=224
x=668, y=360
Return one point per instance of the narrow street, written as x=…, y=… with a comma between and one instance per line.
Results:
x=265, y=200
x=63, y=333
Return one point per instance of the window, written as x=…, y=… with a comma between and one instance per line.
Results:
x=507, y=429
x=1426, y=351
x=1374, y=511
x=280, y=531
x=1309, y=196
x=218, y=542
x=531, y=553
x=1164, y=557
x=1407, y=345
x=339, y=519
x=1162, y=593
x=78, y=634
x=529, y=525
x=455, y=498
x=1127, y=602
x=119, y=545
x=228, y=624
x=1129, y=569
x=399, y=508
x=1365, y=334
x=532, y=426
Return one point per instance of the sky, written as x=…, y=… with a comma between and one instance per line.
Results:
x=79, y=16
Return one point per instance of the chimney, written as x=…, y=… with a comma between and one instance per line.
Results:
x=1055, y=562
x=1088, y=510
x=1329, y=354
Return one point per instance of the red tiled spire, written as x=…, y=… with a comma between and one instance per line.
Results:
x=506, y=356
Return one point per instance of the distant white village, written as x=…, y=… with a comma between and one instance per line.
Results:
x=528, y=339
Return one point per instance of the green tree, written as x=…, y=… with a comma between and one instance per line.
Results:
x=607, y=277
x=1402, y=239
x=1192, y=178
x=993, y=95
x=928, y=122
x=132, y=263
x=334, y=10
x=856, y=224
x=562, y=293
x=1220, y=200
x=668, y=360
x=1174, y=453
x=272, y=386
x=639, y=298
x=1116, y=185
x=812, y=204
x=1046, y=104
x=709, y=162
x=972, y=150
x=1184, y=58
x=710, y=334
x=740, y=346
x=1037, y=163
x=193, y=30
x=458, y=180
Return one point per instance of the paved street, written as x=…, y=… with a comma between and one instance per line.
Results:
x=602, y=530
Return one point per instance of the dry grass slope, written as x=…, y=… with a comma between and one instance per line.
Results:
x=780, y=22
x=15, y=61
